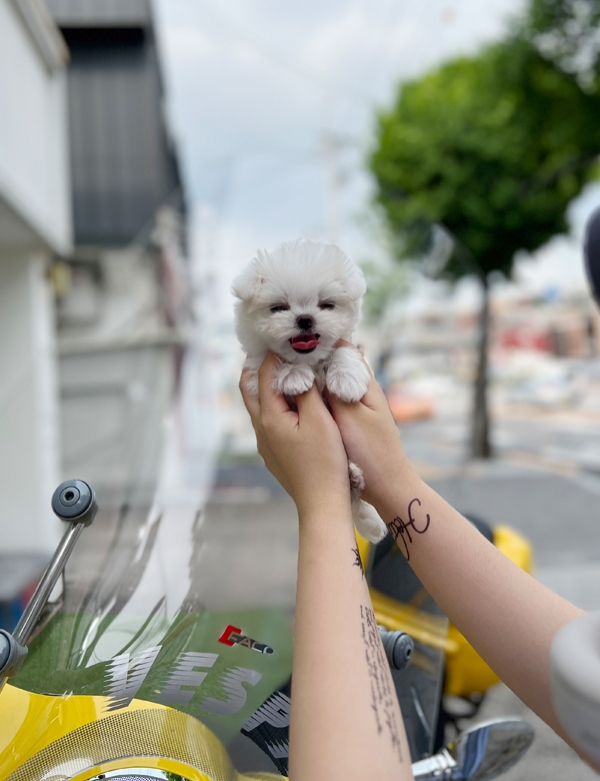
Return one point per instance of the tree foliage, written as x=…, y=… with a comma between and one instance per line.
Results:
x=490, y=150
x=567, y=32
x=492, y=147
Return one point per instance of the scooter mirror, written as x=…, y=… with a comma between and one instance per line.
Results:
x=491, y=748
x=591, y=251
x=479, y=754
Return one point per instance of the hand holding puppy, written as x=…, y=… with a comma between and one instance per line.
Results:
x=370, y=437
x=297, y=301
x=302, y=449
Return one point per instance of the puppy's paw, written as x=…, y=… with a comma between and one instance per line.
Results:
x=347, y=376
x=357, y=481
x=292, y=379
x=368, y=523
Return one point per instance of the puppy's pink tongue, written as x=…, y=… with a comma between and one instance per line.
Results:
x=304, y=342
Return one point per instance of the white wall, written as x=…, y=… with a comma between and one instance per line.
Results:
x=29, y=464
x=33, y=133
x=35, y=220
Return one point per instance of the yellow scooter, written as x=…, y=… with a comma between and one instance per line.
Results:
x=137, y=675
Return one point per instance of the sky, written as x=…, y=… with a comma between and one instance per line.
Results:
x=273, y=107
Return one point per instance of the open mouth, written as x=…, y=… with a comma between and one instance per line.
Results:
x=305, y=343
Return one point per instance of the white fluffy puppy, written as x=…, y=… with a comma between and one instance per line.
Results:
x=298, y=300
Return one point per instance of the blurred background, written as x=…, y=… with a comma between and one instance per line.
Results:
x=148, y=149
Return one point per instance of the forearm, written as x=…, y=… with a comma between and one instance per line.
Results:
x=507, y=616
x=345, y=719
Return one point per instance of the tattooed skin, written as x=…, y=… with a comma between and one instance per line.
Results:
x=357, y=561
x=401, y=529
x=383, y=695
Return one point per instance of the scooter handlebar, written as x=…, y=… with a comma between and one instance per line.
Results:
x=398, y=647
x=74, y=501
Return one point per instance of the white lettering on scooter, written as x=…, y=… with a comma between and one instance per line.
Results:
x=232, y=683
x=125, y=675
x=122, y=681
x=186, y=675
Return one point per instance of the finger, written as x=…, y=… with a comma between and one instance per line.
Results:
x=344, y=343
x=268, y=367
x=339, y=407
x=373, y=398
x=271, y=402
x=250, y=400
x=310, y=402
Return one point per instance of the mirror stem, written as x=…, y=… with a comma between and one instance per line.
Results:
x=436, y=767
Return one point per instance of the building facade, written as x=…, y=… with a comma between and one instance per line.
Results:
x=35, y=225
x=121, y=292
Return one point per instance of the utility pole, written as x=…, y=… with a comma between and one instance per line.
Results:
x=334, y=178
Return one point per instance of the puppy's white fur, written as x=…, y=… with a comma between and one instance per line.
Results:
x=306, y=279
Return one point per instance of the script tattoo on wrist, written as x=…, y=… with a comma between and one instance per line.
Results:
x=401, y=530
x=383, y=695
x=358, y=561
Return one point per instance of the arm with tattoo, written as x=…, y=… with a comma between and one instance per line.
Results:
x=400, y=530
x=357, y=562
x=345, y=721
x=505, y=614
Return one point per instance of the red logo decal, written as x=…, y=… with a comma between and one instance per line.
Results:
x=227, y=632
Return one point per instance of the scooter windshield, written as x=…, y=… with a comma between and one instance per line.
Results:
x=167, y=599
x=172, y=639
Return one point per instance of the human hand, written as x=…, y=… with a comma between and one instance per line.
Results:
x=302, y=449
x=371, y=439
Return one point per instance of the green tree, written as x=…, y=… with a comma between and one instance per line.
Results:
x=493, y=148
x=566, y=32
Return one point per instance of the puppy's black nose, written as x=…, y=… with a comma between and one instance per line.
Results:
x=305, y=322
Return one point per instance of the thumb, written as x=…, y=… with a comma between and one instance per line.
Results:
x=337, y=406
x=310, y=402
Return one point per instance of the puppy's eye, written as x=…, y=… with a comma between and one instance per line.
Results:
x=326, y=305
x=279, y=308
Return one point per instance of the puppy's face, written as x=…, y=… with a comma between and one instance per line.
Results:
x=298, y=300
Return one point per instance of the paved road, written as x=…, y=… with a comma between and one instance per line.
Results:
x=545, y=483
x=559, y=514
x=549, y=758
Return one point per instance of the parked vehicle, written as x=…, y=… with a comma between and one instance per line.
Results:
x=134, y=677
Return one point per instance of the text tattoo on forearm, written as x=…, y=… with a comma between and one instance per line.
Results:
x=401, y=529
x=383, y=696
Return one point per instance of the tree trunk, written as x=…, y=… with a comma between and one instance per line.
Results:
x=480, y=433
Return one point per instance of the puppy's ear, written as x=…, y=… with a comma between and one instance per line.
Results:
x=247, y=285
x=355, y=283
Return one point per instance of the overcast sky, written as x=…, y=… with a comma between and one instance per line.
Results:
x=256, y=86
